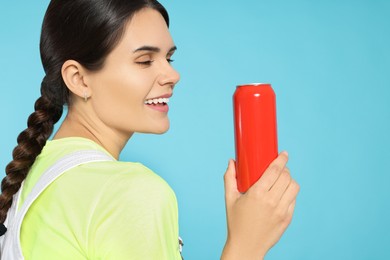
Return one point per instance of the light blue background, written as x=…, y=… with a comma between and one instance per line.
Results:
x=329, y=63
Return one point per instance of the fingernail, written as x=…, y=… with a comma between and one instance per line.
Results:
x=286, y=153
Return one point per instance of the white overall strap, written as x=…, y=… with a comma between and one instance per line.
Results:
x=9, y=218
x=12, y=247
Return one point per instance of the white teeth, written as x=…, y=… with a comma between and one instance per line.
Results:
x=156, y=101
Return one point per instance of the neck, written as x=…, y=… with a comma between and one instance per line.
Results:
x=75, y=125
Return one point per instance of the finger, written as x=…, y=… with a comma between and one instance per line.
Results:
x=290, y=194
x=291, y=208
x=280, y=186
x=272, y=173
x=290, y=211
x=231, y=191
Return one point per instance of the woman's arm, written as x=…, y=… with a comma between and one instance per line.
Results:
x=257, y=219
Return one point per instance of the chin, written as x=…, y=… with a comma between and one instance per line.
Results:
x=161, y=131
x=158, y=130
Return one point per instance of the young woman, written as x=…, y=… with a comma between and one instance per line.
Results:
x=109, y=61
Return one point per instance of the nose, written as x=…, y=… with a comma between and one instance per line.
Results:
x=169, y=75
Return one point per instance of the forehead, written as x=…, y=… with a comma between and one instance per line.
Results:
x=147, y=27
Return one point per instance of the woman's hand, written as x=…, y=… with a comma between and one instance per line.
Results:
x=257, y=219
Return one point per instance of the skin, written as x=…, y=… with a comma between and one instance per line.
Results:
x=257, y=219
x=115, y=109
x=116, y=94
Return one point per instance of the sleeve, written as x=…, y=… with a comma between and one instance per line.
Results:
x=135, y=218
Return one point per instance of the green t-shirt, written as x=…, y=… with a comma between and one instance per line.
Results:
x=100, y=210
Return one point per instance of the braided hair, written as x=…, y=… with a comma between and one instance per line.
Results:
x=81, y=30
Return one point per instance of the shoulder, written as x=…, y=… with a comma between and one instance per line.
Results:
x=120, y=174
x=117, y=181
x=135, y=209
x=114, y=193
x=112, y=209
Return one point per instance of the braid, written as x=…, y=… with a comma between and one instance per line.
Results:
x=40, y=124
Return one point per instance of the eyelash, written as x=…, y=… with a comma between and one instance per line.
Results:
x=149, y=62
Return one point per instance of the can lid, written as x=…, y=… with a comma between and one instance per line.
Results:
x=252, y=84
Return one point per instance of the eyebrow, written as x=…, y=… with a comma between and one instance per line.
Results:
x=153, y=49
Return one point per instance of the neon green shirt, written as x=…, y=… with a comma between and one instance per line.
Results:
x=100, y=210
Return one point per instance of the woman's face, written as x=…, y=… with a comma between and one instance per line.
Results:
x=130, y=92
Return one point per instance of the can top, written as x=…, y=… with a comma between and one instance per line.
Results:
x=254, y=89
x=252, y=84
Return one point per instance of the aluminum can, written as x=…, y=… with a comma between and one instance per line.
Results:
x=255, y=130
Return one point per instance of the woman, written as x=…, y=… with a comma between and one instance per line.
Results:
x=109, y=62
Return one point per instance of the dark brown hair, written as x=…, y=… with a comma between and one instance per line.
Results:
x=81, y=30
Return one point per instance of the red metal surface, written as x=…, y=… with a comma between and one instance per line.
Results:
x=255, y=132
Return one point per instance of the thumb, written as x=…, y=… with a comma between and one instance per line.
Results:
x=231, y=191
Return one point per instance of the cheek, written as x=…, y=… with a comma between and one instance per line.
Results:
x=119, y=99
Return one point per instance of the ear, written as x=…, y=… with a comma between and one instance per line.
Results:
x=73, y=75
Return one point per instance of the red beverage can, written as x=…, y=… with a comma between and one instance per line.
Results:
x=255, y=131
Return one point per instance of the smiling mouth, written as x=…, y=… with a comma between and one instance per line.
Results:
x=157, y=101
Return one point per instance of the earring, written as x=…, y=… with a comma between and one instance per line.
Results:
x=85, y=97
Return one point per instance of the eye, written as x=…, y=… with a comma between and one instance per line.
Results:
x=145, y=63
x=169, y=58
x=144, y=60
